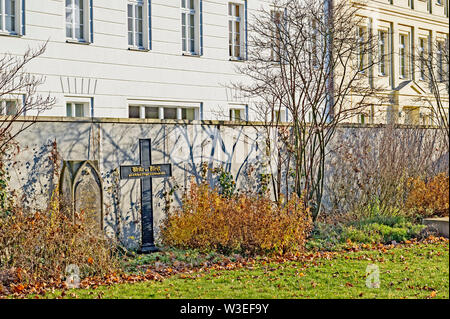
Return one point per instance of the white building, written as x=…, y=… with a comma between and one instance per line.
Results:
x=173, y=59
x=166, y=59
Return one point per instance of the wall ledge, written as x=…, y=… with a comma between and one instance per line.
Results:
x=65, y=119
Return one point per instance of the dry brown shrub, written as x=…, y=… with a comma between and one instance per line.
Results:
x=429, y=198
x=244, y=223
x=38, y=246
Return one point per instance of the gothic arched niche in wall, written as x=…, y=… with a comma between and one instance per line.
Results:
x=66, y=189
x=81, y=187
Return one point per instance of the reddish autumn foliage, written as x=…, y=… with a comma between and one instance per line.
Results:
x=429, y=198
x=250, y=224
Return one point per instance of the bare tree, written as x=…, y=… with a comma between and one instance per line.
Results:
x=19, y=96
x=315, y=60
x=433, y=68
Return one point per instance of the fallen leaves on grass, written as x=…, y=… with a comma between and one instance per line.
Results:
x=160, y=271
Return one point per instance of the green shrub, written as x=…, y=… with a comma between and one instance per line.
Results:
x=389, y=220
x=361, y=235
x=375, y=229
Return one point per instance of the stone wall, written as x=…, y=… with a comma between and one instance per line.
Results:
x=92, y=150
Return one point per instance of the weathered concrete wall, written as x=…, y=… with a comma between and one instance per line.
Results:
x=110, y=143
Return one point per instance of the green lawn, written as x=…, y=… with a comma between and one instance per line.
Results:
x=416, y=271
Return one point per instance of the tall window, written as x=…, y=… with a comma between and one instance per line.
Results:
x=75, y=20
x=361, y=47
x=422, y=57
x=314, y=43
x=382, y=38
x=403, y=56
x=440, y=62
x=235, y=30
x=277, y=18
x=188, y=26
x=135, y=12
x=8, y=14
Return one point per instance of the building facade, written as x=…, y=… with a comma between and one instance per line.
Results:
x=405, y=30
x=133, y=58
x=175, y=59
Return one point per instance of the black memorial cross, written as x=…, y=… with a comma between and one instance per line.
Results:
x=146, y=171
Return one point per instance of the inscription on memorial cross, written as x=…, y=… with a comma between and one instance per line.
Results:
x=146, y=171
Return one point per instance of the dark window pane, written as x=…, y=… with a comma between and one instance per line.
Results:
x=170, y=113
x=152, y=113
x=79, y=110
x=69, y=109
x=133, y=112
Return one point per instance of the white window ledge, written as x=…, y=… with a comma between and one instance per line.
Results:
x=195, y=55
x=73, y=41
x=138, y=49
x=234, y=59
x=7, y=34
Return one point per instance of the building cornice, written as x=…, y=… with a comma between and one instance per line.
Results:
x=396, y=11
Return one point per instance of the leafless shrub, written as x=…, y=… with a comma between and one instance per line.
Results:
x=311, y=59
x=371, y=168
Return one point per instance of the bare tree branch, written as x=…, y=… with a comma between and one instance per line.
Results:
x=316, y=63
x=19, y=96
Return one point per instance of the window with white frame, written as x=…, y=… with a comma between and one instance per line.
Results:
x=426, y=118
x=422, y=58
x=236, y=114
x=189, y=26
x=134, y=112
x=403, y=56
x=9, y=16
x=362, y=118
x=277, y=17
x=9, y=107
x=137, y=24
x=151, y=112
x=170, y=113
x=360, y=33
x=77, y=25
x=383, y=52
x=235, y=30
x=314, y=43
x=412, y=115
x=367, y=117
x=440, y=61
x=278, y=116
x=188, y=114
x=162, y=112
x=77, y=109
